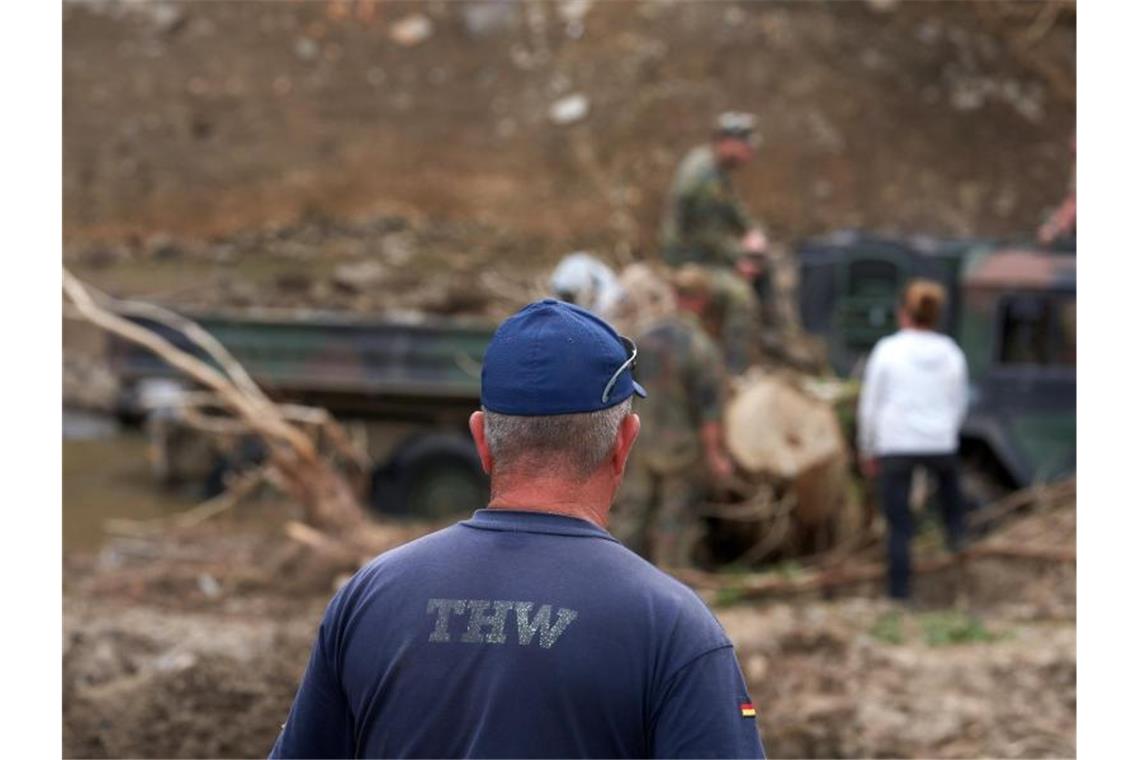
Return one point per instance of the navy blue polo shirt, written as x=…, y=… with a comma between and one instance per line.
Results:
x=519, y=634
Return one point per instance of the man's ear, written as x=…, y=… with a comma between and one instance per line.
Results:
x=478, y=432
x=627, y=434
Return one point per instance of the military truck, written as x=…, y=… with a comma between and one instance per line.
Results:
x=409, y=383
x=1011, y=307
x=404, y=384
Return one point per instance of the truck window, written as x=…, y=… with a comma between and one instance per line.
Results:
x=865, y=313
x=1024, y=325
x=875, y=279
x=1038, y=330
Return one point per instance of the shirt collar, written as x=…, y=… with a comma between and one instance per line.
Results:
x=520, y=521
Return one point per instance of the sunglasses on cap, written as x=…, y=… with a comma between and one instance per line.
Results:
x=630, y=364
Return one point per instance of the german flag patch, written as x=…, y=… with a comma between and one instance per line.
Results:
x=747, y=710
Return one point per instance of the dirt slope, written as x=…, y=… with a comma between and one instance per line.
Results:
x=202, y=119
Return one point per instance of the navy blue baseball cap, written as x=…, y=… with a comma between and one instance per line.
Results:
x=552, y=357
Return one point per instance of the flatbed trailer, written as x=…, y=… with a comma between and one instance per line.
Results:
x=408, y=383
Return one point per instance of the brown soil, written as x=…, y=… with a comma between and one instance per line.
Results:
x=192, y=645
x=198, y=120
x=245, y=153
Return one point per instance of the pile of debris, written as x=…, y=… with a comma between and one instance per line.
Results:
x=376, y=265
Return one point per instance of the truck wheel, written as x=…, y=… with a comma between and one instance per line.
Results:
x=982, y=478
x=429, y=477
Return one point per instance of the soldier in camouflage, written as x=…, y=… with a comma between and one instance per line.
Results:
x=680, y=453
x=705, y=224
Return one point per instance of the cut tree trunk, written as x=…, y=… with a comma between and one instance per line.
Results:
x=776, y=430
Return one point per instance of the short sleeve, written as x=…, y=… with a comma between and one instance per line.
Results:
x=706, y=711
x=320, y=722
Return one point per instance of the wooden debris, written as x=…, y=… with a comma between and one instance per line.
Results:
x=309, y=477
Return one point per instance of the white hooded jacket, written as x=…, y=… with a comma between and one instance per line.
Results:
x=914, y=395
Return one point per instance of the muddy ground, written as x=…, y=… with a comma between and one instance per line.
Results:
x=191, y=645
x=318, y=154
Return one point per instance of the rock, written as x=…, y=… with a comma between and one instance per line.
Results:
x=396, y=248
x=209, y=586
x=306, y=49
x=573, y=14
x=411, y=30
x=487, y=17
x=168, y=18
x=968, y=95
x=177, y=661
x=570, y=109
x=574, y=10
x=358, y=277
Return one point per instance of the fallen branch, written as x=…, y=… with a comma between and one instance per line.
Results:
x=190, y=406
x=307, y=476
x=752, y=586
x=196, y=369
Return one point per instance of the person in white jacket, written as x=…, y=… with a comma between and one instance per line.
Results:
x=911, y=407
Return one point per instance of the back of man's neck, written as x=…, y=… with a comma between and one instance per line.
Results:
x=566, y=499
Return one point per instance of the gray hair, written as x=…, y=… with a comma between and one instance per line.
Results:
x=572, y=443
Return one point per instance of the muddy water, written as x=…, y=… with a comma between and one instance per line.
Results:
x=106, y=475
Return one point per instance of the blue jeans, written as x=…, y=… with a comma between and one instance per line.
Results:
x=895, y=473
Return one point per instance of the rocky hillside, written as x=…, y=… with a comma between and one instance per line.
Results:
x=559, y=123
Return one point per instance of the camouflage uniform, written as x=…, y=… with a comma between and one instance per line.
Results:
x=704, y=222
x=681, y=369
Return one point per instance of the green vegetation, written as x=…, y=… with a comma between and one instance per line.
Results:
x=888, y=628
x=728, y=595
x=789, y=569
x=941, y=628
x=951, y=627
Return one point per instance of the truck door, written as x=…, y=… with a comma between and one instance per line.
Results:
x=1032, y=381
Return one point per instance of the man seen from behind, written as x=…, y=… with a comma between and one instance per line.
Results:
x=528, y=630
